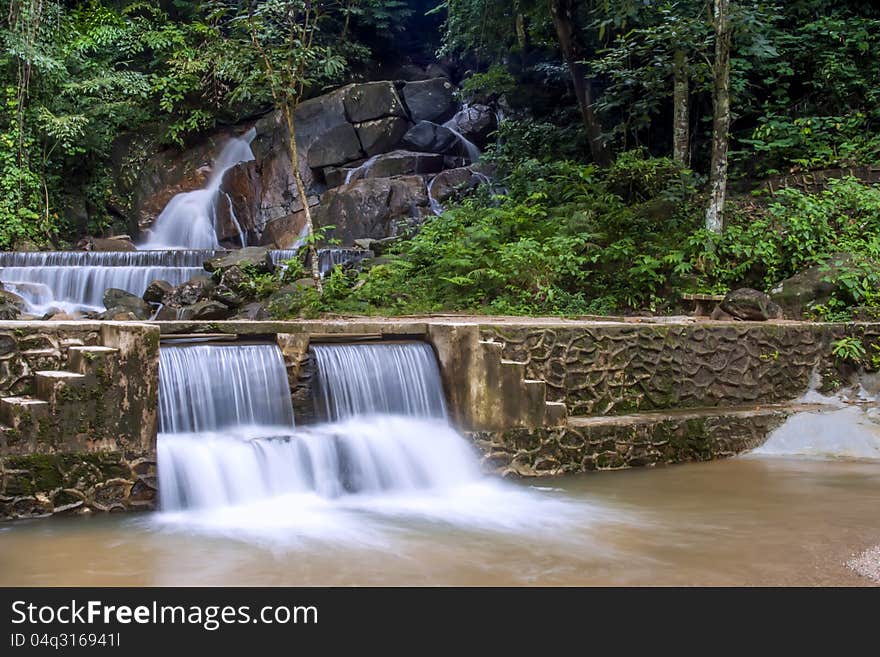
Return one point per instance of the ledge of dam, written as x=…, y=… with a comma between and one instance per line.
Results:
x=536, y=396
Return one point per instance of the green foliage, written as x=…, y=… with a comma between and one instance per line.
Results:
x=849, y=349
x=496, y=81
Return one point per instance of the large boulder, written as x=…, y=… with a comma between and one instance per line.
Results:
x=157, y=291
x=381, y=135
x=120, y=243
x=812, y=286
x=119, y=303
x=750, y=305
x=336, y=146
x=284, y=232
x=401, y=163
x=371, y=100
x=254, y=256
x=369, y=207
x=10, y=298
x=430, y=100
x=428, y=137
x=278, y=194
x=195, y=289
x=453, y=182
x=204, y=310
x=475, y=122
x=8, y=311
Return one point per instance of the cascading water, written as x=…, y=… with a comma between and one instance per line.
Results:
x=76, y=280
x=229, y=465
x=189, y=220
x=227, y=435
x=212, y=387
x=371, y=379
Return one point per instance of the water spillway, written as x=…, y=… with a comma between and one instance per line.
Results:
x=214, y=387
x=389, y=378
x=227, y=434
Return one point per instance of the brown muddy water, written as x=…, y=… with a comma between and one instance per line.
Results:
x=747, y=521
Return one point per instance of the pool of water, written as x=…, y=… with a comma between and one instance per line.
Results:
x=758, y=520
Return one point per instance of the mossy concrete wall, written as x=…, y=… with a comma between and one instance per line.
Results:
x=88, y=446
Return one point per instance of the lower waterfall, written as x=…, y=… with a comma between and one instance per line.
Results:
x=227, y=434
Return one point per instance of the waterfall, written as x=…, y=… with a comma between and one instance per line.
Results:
x=227, y=435
x=386, y=378
x=189, y=220
x=76, y=280
x=82, y=287
x=358, y=456
x=213, y=387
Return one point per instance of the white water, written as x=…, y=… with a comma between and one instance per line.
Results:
x=189, y=220
x=341, y=482
x=473, y=152
x=384, y=378
x=82, y=287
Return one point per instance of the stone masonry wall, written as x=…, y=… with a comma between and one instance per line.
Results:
x=88, y=442
x=616, y=369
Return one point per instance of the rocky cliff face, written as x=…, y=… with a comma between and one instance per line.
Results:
x=367, y=154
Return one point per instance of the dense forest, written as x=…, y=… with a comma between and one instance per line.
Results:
x=644, y=151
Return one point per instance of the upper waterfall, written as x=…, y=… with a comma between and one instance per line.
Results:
x=189, y=220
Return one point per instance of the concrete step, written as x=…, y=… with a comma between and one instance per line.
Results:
x=555, y=414
x=91, y=360
x=57, y=386
x=16, y=412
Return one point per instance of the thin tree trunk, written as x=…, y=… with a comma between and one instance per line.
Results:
x=563, y=19
x=303, y=196
x=721, y=118
x=681, y=147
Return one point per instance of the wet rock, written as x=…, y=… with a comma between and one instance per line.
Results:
x=750, y=305
x=8, y=311
x=453, y=182
x=401, y=163
x=122, y=301
x=238, y=207
x=369, y=207
x=372, y=100
x=228, y=296
x=254, y=311
x=204, y=310
x=284, y=232
x=476, y=123
x=10, y=298
x=430, y=100
x=157, y=291
x=254, y=256
x=120, y=315
x=381, y=135
x=196, y=289
x=337, y=146
x=428, y=137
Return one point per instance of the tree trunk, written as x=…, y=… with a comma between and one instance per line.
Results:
x=303, y=196
x=563, y=19
x=681, y=147
x=720, y=119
